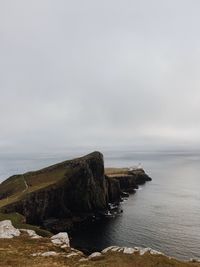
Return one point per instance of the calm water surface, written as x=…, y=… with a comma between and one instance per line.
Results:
x=164, y=214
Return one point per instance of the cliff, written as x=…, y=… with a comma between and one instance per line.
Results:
x=122, y=180
x=67, y=191
x=81, y=188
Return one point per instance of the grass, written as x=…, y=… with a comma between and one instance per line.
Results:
x=18, y=221
x=14, y=188
x=116, y=171
x=9, y=200
x=17, y=252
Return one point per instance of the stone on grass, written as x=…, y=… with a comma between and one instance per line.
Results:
x=108, y=249
x=49, y=253
x=7, y=230
x=72, y=254
x=60, y=239
x=129, y=250
x=155, y=252
x=83, y=259
x=31, y=233
x=116, y=249
x=144, y=250
x=95, y=256
x=36, y=254
x=64, y=246
x=45, y=254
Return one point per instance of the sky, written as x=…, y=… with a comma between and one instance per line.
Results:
x=106, y=73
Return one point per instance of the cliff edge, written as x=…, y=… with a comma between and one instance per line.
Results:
x=68, y=190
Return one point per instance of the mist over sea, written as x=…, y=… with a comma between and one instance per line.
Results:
x=163, y=214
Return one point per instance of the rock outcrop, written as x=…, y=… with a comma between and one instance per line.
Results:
x=31, y=233
x=72, y=189
x=82, y=189
x=114, y=190
x=127, y=250
x=61, y=239
x=7, y=230
x=124, y=180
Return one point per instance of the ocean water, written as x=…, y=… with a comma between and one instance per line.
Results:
x=163, y=214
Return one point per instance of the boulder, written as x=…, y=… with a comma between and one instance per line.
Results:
x=7, y=230
x=46, y=254
x=72, y=254
x=129, y=250
x=83, y=259
x=81, y=189
x=61, y=239
x=31, y=233
x=49, y=253
x=95, y=256
x=105, y=250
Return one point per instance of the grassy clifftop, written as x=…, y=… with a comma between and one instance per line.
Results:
x=17, y=187
x=59, y=191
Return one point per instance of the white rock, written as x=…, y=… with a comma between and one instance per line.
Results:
x=155, y=252
x=194, y=260
x=49, y=253
x=36, y=254
x=64, y=246
x=72, y=254
x=129, y=250
x=95, y=255
x=116, y=249
x=83, y=259
x=77, y=251
x=142, y=251
x=60, y=239
x=31, y=233
x=7, y=230
x=108, y=249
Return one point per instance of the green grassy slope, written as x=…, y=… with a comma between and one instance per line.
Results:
x=17, y=186
x=18, y=221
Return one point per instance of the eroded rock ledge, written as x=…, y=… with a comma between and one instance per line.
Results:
x=124, y=180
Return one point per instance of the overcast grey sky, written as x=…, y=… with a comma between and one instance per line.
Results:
x=99, y=73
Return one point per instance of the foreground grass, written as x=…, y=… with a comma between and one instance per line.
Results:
x=17, y=252
x=18, y=222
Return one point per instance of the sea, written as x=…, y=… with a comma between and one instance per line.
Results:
x=163, y=214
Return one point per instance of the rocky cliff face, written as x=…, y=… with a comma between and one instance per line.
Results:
x=124, y=181
x=82, y=189
x=114, y=190
x=78, y=187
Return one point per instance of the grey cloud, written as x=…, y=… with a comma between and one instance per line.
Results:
x=99, y=73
